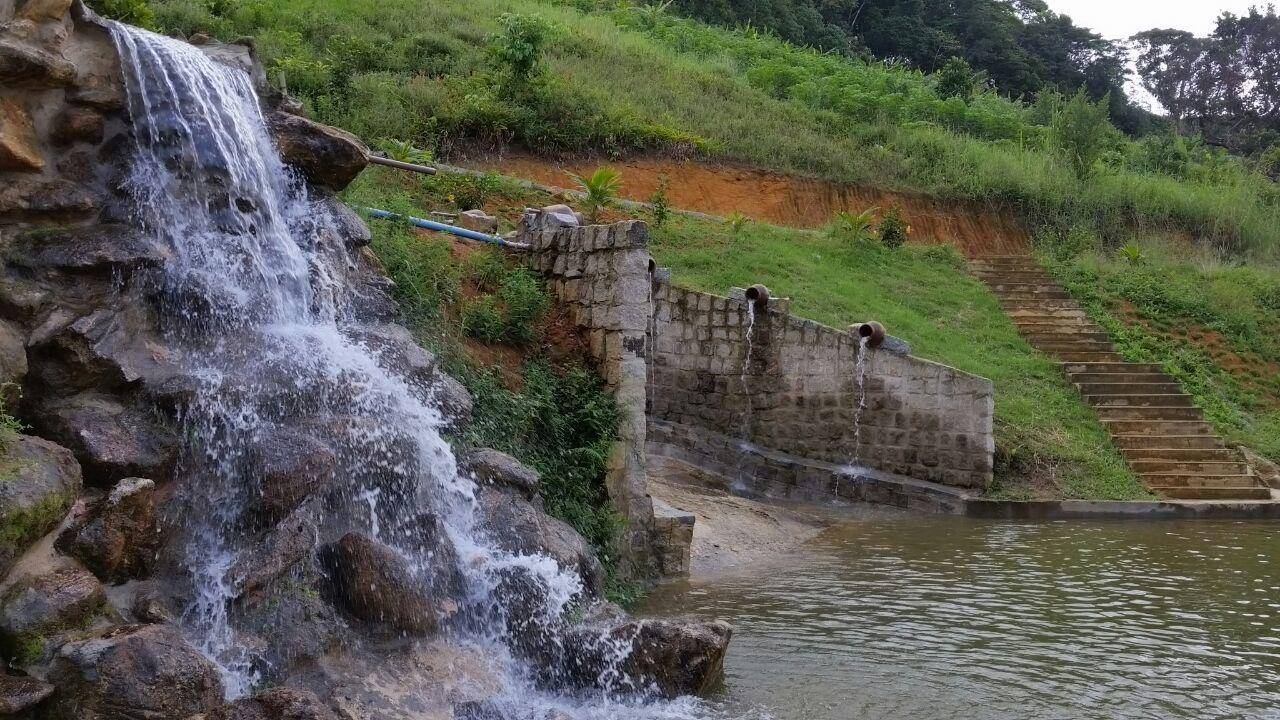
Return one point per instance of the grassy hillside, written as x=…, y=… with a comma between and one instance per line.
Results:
x=630, y=79
x=1049, y=444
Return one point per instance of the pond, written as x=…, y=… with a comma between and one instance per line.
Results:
x=896, y=616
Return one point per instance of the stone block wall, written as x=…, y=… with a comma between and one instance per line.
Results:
x=777, y=381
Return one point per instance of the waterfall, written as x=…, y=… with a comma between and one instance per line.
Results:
x=255, y=297
x=749, y=337
x=860, y=373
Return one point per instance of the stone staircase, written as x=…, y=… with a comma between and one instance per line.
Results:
x=1157, y=427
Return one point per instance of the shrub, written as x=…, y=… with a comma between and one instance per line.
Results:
x=736, y=222
x=517, y=50
x=660, y=204
x=600, y=189
x=467, y=192
x=9, y=425
x=133, y=12
x=853, y=227
x=893, y=229
x=482, y=320
x=524, y=302
x=404, y=151
x=1131, y=254
x=957, y=80
x=1079, y=130
x=486, y=268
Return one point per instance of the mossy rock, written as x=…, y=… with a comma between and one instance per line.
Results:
x=38, y=482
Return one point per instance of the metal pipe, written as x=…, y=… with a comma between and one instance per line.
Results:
x=379, y=160
x=441, y=227
x=758, y=295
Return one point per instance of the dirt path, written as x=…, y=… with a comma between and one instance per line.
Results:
x=733, y=532
x=783, y=199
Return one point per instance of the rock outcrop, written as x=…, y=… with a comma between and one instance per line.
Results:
x=117, y=539
x=276, y=704
x=379, y=585
x=326, y=156
x=38, y=483
x=36, y=608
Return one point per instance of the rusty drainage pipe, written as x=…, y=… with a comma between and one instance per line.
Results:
x=758, y=295
x=872, y=331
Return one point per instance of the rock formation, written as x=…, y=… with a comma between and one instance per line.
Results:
x=341, y=556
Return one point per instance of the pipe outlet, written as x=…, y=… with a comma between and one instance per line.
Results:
x=758, y=295
x=872, y=331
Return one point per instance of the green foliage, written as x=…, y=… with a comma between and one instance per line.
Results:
x=486, y=268
x=524, y=302
x=1131, y=253
x=517, y=50
x=600, y=189
x=134, y=12
x=894, y=231
x=957, y=80
x=853, y=227
x=465, y=192
x=562, y=424
x=512, y=306
x=9, y=425
x=736, y=222
x=659, y=203
x=1079, y=131
x=482, y=319
x=405, y=151
x=425, y=274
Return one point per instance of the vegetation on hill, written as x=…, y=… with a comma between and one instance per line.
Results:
x=637, y=79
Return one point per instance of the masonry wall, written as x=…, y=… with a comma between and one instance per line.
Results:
x=791, y=385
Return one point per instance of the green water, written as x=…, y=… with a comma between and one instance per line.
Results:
x=894, y=616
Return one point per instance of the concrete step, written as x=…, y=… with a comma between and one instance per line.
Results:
x=1056, y=336
x=998, y=277
x=1088, y=356
x=1043, y=314
x=1123, y=388
x=1201, y=441
x=1197, y=480
x=1065, y=324
x=1057, y=349
x=1120, y=377
x=1225, y=493
x=1205, y=467
x=1037, y=295
x=1139, y=400
x=1150, y=414
x=1156, y=427
x=1006, y=261
x=1039, y=304
x=1119, y=368
x=1211, y=454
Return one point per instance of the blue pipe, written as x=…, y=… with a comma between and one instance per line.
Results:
x=441, y=227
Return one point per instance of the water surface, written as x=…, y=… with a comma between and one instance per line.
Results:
x=916, y=617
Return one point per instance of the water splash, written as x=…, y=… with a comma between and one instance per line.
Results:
x=257, y=297
x=749, y=337
x=860, y=375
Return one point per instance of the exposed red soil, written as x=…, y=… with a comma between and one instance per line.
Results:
x=974, y=229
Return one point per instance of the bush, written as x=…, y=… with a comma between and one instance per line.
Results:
x=482, y=320
x=1080, y=130
x=660, y=205
x=133, y=12
x=517, y=50
x=525, y=303
x=893, y=229
x=957, y=80
x=852, y=227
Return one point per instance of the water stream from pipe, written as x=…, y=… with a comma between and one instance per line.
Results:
x=860, y=375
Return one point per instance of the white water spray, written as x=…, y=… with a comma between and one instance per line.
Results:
x=860, y=374
x=745, y=374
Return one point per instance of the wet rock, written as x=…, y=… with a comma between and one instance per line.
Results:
x=105, y=248
x=150, y=606
x=25, y=66
x=479, y=221
x=13, y=363
x=289, y=544
x=520, y=527
x=111, y=440
x=453, y=401
x=291, y=466
x=37, y=607
x=324, y=155
x=117, y=539
x=19, y=149
x=148, y=672
x=98, y=91
x=377, y=584
x=239, y=57
x=78, y=124
x=276, y=704
x=499, y=469
x=40, y=483
x=19, y=693
x=349, y=226
x=395, y=348
x=673, y=658
x=32, y=198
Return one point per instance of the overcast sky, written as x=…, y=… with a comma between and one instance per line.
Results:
x=1117, y=19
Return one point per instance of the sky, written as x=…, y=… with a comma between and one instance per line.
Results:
x=1117, y=19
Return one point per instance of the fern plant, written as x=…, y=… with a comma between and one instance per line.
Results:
x=1132, y=254
x=600, y=189
x=404, y=151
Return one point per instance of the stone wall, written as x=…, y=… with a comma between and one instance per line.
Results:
x=602, y=273
x=793, y=385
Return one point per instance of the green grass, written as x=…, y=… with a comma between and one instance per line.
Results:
x=925, y=296
x=1197, y=316
x=619, y=81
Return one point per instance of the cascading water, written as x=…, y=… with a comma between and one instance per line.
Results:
x=860, y=373
x=749, y=337
x=255, y=297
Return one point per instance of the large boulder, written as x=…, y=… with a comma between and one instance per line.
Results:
x=37, y=607
x=290, y=466
x=147, y=672
x=20, y=693
x=324, y=155
x=492, y=467
x=19, y=148
x=379, y=585
x=668, y=657
x=13, y=363
x=39, y=483
x=517, y=526
x=112, y=440
x=276, y=704
x=117, y=539
x=25, y=66
x=107, y=248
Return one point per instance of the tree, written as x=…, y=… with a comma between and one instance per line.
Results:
x=517, y=50
x=956, y=79
x=599, y=190
x=1079, y=131
x=1168, y=62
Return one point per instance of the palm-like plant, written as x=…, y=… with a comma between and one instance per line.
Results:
x=736, y=222
x=404, y=151
x=599, y=190
x=854, y=227
x=1132, y=254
